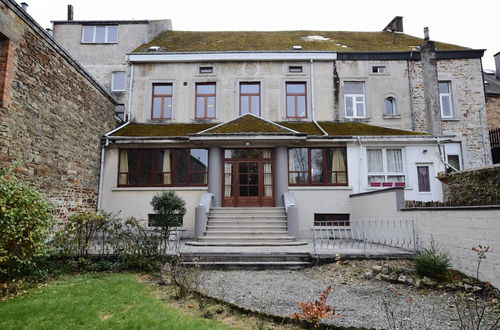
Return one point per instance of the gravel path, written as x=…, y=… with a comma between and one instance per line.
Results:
x=359, y=302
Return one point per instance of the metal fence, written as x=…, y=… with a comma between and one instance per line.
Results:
x=365, y=234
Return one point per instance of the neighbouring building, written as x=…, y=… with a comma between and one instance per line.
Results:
x=52, y=113
x=492, y=88
x=300, y=119
x=101, y=48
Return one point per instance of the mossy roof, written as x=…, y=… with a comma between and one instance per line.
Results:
x=338, y=41
x=254, y=125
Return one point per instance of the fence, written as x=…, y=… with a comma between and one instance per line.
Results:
x=366, y=234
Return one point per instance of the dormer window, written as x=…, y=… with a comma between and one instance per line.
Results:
x=100, y=34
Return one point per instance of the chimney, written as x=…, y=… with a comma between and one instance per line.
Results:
x=431, y=92
x=396, y=25
x=70, y=12
x=24, y=6
x=497, y=65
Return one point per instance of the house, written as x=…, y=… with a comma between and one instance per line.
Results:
x=297, y=120
x=101, y=47
x=52, y=113
x=492, y=89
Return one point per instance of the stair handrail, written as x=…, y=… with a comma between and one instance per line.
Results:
x=206, y=201
x=289, y=200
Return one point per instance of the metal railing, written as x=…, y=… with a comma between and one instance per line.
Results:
x=364, y=234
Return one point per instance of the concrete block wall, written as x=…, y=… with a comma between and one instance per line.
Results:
x=456, y=230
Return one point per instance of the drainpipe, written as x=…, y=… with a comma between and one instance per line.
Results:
x=129, y=110
x=101, y=175
x=412, y=110
x=360, y=163
x=312, y=100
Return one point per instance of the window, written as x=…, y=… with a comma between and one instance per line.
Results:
x=354, y=99
x=250, y=98
x=118, y=81
x=445, y=99
x=317, y=166
x=100, y=34
x=385, y=167
x=162, y=101
x=120, y=111
x=205, y=101
x=162, y=167
x=453, y=160
x=155, y=220
x=296, y=100
x=390, y=106
x=295, y=69
x=379, y=69
x=206, y=69
x=424, y=182
x=331, y=219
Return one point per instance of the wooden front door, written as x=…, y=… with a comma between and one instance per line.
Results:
x=248, y=178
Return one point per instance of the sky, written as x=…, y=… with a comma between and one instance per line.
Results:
x=473, y=24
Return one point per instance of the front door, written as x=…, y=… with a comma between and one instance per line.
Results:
x=248, y=177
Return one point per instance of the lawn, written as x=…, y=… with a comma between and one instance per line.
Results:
x=97, y=301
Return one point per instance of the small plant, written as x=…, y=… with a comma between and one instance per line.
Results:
x=312, y=312
x=433, y=262
x=481, y=254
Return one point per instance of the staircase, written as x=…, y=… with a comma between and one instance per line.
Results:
x=246, y=226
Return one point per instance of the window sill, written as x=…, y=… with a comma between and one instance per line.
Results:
x=391, y=116
x=370, y=188
x=99, y=43
x=159, y=188
x=382, y=74
x=450, y=119
x=298, y=188
x=357, y=119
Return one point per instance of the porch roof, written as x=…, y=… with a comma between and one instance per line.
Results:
x=252, y=125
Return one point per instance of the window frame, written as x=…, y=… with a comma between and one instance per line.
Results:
x=420, y=184
x=354, y=102
x=296, y=97
x=249, y=95
x=173, y=152
x=162, y=101
x=295, y=69
x=324, y=172
x=393, y=101
x=450, y=96
x=385, y=172
x=113, y=74
x=94, y=34
x=205, y=103
x=206, y=69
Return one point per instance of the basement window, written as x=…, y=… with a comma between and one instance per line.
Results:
x=332, y=219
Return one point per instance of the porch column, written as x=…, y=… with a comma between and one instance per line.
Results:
x=215, y=174
x=280, y=174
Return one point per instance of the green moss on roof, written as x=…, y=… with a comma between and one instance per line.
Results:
x=161, y=129
x=360, y=129
x=302, y=127
x=339, y=41
x=248, y=124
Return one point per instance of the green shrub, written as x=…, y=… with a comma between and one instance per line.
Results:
x=170, y=210
x=433, y=262
x=25, y=223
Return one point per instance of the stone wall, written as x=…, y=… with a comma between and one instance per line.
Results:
x=55, y=116
x=493, y=112
x=473, y=187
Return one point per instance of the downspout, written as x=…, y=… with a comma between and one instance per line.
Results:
x=360, y=163
x=312, y=99
x=412, y=109
x=101, y=176
x=129, y=106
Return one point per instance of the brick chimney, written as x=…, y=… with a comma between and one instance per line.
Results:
x=70, y=12
x=497, y=65
x=431, y=92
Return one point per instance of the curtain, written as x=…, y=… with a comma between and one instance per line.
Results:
x=123, y=175
x=228, y=179
x=167, y=169
x=394, y=161
x=374, y=160
x=268, y=180
x=423, y=178
x=338, y=165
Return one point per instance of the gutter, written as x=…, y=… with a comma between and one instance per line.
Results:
x=312, y=99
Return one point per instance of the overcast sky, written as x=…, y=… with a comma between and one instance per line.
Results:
x=474, y=24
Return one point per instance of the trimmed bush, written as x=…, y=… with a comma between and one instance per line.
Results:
x=25, y=223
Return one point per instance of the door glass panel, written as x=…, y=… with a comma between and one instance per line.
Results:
x=228, y=179
x=253, y=191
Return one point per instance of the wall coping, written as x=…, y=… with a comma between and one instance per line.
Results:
x=378, y=191
x=453, y=208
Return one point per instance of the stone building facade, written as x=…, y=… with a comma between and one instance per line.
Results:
x=52, y=116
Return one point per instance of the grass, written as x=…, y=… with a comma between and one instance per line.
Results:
x=97, y=301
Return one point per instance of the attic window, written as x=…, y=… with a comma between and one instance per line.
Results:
x=206, y=69
x=100, y=34
x=295, y=69
x=379, y=69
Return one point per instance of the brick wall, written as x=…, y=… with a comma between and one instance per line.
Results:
x=54, y=118
x=493, y=112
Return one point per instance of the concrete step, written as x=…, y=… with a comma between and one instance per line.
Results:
x=238, y=238
x=253, y=265
x=247, y=217
x=227, y=243
x=238, y=233
x=245, y=227
x=259, y=210
x=246, y=222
